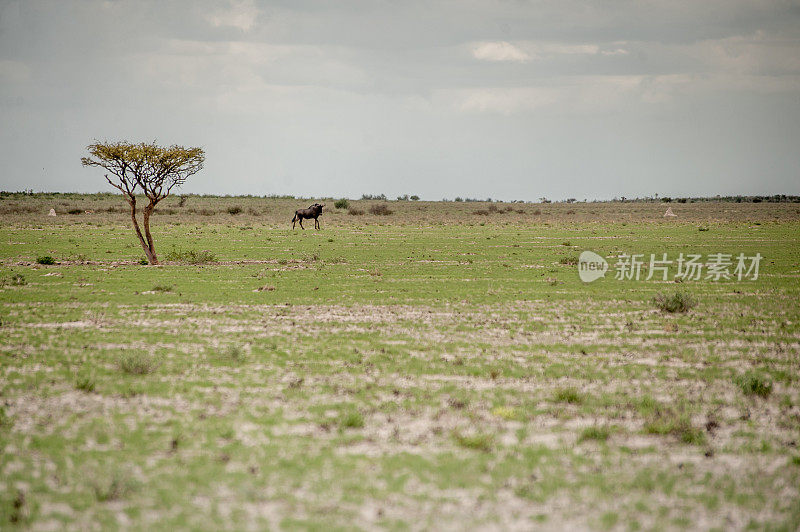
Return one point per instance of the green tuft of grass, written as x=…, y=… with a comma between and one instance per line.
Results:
x=85, y=384
x=595, y=432
x=667, y=421
x=234, y=353
x=138, y=363
x=162, y=288
x=675, y=302
x=569, y=395
x=5, y=419
x=483, y=442
x=342, y=204
x=752, y=383
x=111, y=489
x=144, y=262
x=45, y=259
x=352, y=419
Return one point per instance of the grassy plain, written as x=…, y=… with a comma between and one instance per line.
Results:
x=437, y=367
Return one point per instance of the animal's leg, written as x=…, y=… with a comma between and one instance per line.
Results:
x=300, y=219
x=316, y=223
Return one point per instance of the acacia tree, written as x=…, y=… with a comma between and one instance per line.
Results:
x=148, y=169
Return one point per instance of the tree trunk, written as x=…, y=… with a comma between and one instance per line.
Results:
x=151, y=248
x=151, y=257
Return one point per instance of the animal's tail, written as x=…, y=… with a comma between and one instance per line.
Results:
x=295, y=217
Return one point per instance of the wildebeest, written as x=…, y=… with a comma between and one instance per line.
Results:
x=313, y=211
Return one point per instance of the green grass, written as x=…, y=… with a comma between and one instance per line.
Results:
x=752, y=383
x=411, y=371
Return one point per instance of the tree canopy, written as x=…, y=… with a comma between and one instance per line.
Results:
x=150, y=169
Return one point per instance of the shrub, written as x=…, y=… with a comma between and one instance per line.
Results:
x=162, y=288
x=138, y=363
x=46, y=259
x=352, y=211
x=665, y=421
x=191, y=256
x=675, y=302
x=481, y=212
x=381, y=209
x=569, y=395
x=595, y=432
x=342, y=203
x=414, y=198
x=752, y=383
x=16, y=280
x=478, y=442
x=74, y=211
x=85, y=384
x=234, y=353
x=235, y=209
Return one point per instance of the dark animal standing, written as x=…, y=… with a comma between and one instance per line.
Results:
x=312, y=212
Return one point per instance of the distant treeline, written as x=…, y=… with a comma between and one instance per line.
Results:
x=775, y=198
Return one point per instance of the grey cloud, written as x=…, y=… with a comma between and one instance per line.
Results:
x=351, y=97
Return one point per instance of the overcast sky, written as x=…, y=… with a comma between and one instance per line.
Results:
x=510, y=100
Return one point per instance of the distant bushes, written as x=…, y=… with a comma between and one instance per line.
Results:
x=234, y=210
x=381, y=209
x=342, y=203
x=352, y=211
x=492, y=209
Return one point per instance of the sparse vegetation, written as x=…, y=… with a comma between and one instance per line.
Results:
x=46, y=260
x=352, y=211
x=421, y=355
x=234, y=210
